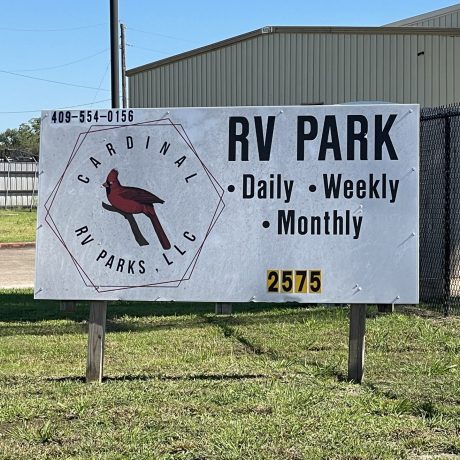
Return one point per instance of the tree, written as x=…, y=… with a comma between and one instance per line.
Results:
x=26, y=137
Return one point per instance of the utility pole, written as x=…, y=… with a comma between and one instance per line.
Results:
x=123, y=65
x=114, y=67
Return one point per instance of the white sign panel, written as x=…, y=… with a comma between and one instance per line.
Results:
x=271, y=204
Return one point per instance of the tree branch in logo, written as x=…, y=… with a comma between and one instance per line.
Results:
x=141, y=241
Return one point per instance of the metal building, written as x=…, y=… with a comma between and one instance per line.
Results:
x=445, y=17
x=402, y=62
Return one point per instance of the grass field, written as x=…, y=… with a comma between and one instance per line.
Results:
x=17, y=225
x=266, y=383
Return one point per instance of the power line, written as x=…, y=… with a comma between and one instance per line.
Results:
x=101, y=81
x=161, y=35
x=61, y=65
x=52, y=81
x=13, y=29
x=60, y=108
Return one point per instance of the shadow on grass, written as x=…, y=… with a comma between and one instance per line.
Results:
x=38, y=317
x=19, y=305
x=229, y=331
x=161, y=377
x=77, y=323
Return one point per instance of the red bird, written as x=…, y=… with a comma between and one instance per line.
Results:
x=133, y=200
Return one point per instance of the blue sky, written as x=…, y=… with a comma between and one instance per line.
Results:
x=68, y=41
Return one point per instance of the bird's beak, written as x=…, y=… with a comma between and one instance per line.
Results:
x=105, y=185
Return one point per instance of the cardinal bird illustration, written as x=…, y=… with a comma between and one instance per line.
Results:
x=133, y=200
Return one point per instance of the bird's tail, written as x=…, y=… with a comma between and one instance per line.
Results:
x=152, y=215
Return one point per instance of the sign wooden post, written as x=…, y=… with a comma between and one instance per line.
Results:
x=357, y=341
x=96, y=338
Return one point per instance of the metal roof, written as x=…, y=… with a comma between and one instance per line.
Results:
x=425, y=16
x=297, y=29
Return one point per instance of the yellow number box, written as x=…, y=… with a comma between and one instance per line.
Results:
x=305, y=281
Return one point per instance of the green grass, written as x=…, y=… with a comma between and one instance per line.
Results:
x=266, y=383
x=17, y=225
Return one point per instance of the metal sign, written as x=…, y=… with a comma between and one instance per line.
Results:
x=270, y=204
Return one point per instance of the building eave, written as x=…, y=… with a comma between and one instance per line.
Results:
x=295, y=29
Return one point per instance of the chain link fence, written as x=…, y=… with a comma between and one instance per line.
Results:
x=440, y=208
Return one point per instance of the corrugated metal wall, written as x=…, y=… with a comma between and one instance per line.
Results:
x=445, y=21
x=18, y=184
x=284, y=68
x=448, y=19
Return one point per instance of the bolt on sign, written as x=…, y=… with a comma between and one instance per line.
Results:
x=233, y=204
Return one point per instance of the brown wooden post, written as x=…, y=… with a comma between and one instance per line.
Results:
x=357, y=342
x=96, y=338
x=224, y=309
x=68, y=305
